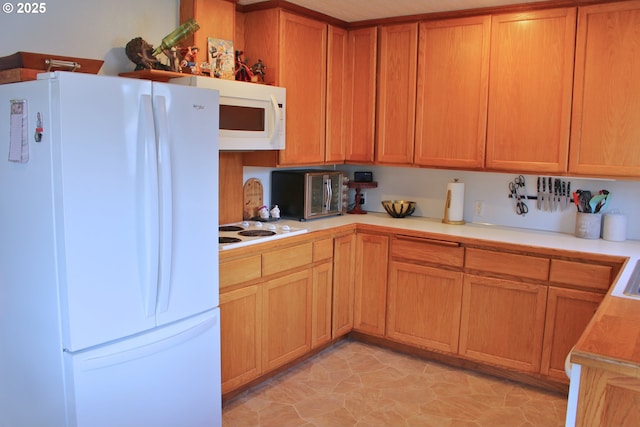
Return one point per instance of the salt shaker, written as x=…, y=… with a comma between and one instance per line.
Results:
x=275, y=212
x=263, y=212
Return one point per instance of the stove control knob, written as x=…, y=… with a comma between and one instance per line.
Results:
x=244, y=223
x=271, y=227
x=258, y=224
x=285, y=228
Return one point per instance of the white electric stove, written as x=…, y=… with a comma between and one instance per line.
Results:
x=246, y=233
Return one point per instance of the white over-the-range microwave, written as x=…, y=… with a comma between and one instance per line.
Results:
x=252, y=115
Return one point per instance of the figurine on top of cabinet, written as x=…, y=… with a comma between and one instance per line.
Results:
x=189, y=63
x=258, y=69
x=243, y=72
x=141, y=53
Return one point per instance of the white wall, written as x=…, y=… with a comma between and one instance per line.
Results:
x=89, y=29
x=427, y=187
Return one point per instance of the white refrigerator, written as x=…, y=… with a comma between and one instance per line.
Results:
x=108, y=253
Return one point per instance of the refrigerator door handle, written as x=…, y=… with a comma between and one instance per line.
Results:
x=166, y=202
x=148, y=205
x=127, y=351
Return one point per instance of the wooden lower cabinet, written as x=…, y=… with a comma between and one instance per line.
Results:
x=321, y=306
x=372, y=253
x=423, y=307
x=502, y=322
x=240, y=336
x=607, y=399
x=568, y=313
x=344, y=252
x=286, y=327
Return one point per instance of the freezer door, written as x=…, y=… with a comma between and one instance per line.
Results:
x=166, y=378
x=187, y=132
x=106, y=206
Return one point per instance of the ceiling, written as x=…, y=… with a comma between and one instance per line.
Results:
x=364, y=10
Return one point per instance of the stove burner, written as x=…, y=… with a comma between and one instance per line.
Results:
x=230, y=228
x=257, y=233
x=229, y=240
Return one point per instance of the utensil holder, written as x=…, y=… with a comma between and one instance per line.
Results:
x=588, y=225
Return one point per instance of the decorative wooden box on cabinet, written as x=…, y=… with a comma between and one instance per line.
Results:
x=530, y=89
x=605, y=129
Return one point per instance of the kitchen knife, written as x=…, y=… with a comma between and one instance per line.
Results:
x=539, y=200
x=545, y=195
x=552, y=199
x=563, y=197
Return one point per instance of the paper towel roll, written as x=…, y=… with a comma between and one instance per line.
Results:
x=456, y=205
x=614, y=227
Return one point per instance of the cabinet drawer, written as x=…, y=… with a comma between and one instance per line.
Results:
x=322, y=249
x=287, y=259
x=525, y=266
x=583, y=275
x=429, y=251
x=240, y=270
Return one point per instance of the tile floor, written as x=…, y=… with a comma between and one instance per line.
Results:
x=359, y=385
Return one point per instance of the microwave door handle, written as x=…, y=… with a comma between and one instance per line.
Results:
x=277, y=114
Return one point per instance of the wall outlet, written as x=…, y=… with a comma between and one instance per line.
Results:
x=478, y=208
x=362, y=197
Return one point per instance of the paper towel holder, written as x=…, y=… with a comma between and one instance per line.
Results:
x=447, y=206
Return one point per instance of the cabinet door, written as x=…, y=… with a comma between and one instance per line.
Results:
x=502, y=322
x=240, y=336
x=453, y=80
x=286, y=319
x=605, y=128
x=423, y=308
x=344, y=259
x=372, y=253
x=321, y=306
x=396, y=93
x=361, y=94
x=530, y=84
x=607, y=399
x=568, y=313
x=303, y=71
x=336, y=95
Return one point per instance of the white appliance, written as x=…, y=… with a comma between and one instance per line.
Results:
x=108, y=256
x=252, y=116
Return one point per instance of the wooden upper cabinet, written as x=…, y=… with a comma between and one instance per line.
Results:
x=303, y=65
x=336, y=94
x=396, y=107
x=530, y=87
x=605, y=127
x=217, y=18
x=360, y=107
x=451, y=105
x=294, y=49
